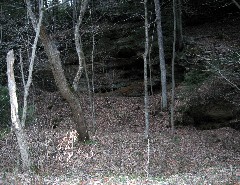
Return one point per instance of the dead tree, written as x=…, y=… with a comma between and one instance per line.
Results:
x=16, y=123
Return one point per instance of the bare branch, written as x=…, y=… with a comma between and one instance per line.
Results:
x=236, y=3
x=31, y=15
x=21, y=65
x=53, y=6
x=224, y=77
x=30, y=70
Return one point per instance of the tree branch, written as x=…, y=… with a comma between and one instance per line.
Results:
x=30, y=70
x=236, y=3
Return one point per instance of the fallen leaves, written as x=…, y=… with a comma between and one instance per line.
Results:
x=117, y=152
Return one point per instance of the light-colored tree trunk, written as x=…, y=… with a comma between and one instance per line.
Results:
x=30, y=70
x=146, y=97
x=78, y=43
x=161, y=54
x=81, y=58
x=16, y=123
x=173, y=61
x=17, y=127
x=54, y=58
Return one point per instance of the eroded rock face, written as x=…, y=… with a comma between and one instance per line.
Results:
x=121, y=77
x=214, y=104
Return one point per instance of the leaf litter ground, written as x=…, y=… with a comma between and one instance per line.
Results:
x=117, y=152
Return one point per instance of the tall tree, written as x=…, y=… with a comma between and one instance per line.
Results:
x=173, y=60
x=81, y=56
x=179, y=32
x=146, y=98
x=74, y=7
x=161, y=54
x=78, y=43
x=31, y=63
x=56, y=65
x=1, y=32
x=54, y=14
x=19, y=125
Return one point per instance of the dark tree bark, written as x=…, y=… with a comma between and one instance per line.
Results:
x=161, y=54
x=64, y=88
x=179, y=33
x=56, y=65
x=74, y=7
x=173, y=62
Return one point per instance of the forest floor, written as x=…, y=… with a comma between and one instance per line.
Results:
x=118, y=152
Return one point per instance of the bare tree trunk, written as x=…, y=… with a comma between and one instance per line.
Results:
x=54, y=14
x=81, y=57
x=161, y=54
x=173, y=59
x=60, y=79
x=1, y=33
x=64, y=88
x=149, y=60
x=93, y=75
x=61, y=82
x=93, y=88
x=78, y=43
x=19, y=131
x=146, y=98
x=179, y=32
x=30, y=70
x=17, y=124
x=74, y=7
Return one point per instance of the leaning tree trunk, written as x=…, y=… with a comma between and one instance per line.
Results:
x=56, y=65
x=64, y=88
